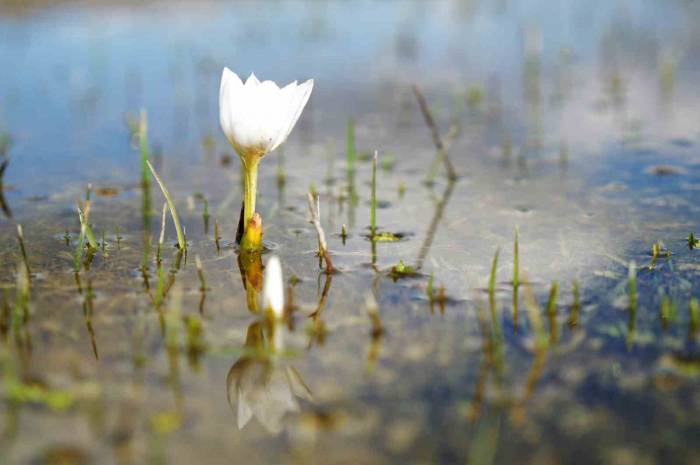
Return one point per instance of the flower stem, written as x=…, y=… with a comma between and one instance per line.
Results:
x=251, y=189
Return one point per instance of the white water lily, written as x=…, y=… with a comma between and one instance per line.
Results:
x=273, y=288
x=256, y=118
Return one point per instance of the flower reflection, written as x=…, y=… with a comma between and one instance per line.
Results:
x=251, y=267
x=259, y=385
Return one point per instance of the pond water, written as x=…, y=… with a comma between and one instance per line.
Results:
x=575, y=124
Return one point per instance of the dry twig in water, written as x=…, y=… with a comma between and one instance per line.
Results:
x=435, y=133
x=315, y=212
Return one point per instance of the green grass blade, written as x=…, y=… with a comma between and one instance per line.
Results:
x=492, y=276
x=173, y=212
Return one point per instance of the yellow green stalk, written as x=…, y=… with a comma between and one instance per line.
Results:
x=250, y=178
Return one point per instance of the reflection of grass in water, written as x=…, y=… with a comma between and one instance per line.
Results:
x=632, y=305
x=217, y=235
x=20, y=314
x=484, y=444
x=495, y=320
x=534, y=314
x=576, y=305
x=552, y=313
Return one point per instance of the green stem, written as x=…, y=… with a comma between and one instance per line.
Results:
x=373, y=211
x=251, y=189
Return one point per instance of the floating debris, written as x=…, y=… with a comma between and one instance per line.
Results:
x=315, y=214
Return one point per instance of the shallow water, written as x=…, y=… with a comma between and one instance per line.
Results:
x=578, y=125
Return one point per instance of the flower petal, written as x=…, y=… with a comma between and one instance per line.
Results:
x=258, y=116
x=294, y=110
x=230, y=84
x=252, y=80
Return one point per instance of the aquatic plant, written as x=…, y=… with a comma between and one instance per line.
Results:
x=535, y=317
x=181, y=242
x=251, y=240
x=87, y=207
x=315, y=219
x=401, y=270
x=576, y=305
x=81, y=239
x=23, y=249
x=516, y=260
x=350, y=150
x=669, y=310
x=200, y=273
x=495, y=320
x=657, y=251
x=435, y=133
x=3, y=203
x=205, y=214
x=143, y=148
x=492, y=275
x=256, y=118
x=552, y=302
x=373, y=208
x=161, y=238
x=632, y=287
x=85, y=234
x=21, y=310
x=217, y=234
x=694, y=309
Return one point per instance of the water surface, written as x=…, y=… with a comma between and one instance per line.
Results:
x=577, y=125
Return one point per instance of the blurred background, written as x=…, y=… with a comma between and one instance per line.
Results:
x=587, y=73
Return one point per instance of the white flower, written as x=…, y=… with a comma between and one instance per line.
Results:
x=258, y=387
x=273, y=287
x=258, y=116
